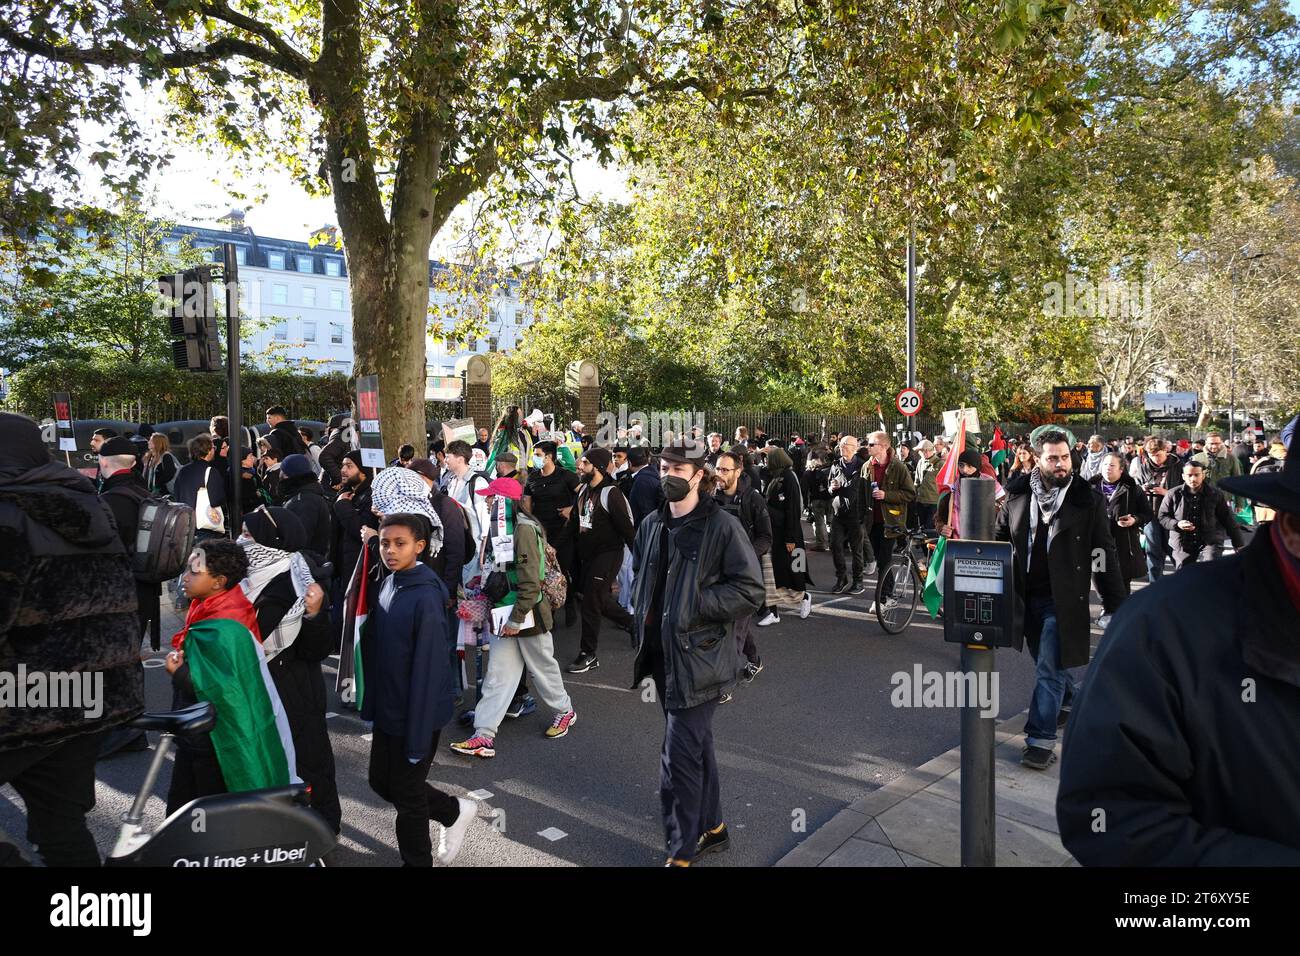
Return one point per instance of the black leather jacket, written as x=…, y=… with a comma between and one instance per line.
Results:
x=710, y=583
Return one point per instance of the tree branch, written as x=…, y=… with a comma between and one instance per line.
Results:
x=222, y=11
x=221, y=48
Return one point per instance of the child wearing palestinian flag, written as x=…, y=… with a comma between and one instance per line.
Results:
x=409, y=689
x=218, y=658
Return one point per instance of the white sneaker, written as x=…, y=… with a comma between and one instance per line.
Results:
x=770, y=619
x=869, y=569
x=451, y=838
x=805, y=606
x=888, y=605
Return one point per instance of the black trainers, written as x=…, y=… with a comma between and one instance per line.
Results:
x=724, y=699
x=714, y=841
x=583, y=663
x=1037, y=758
x=857, y=587
x=752, y=671
x=841, y=585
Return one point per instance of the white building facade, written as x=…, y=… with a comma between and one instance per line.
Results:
x=295, y=304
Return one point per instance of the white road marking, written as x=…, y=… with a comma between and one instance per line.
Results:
x=552, y=834
x=480, y=794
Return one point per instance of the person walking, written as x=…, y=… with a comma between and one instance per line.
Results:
x=746, y=505
x=1198, y=519
x=892, y=492
x=160, y=466
x=604, y=526
x=817, y=496
x=787, y=562
x=849, y=502
x=1129, y=513
x=696, y=574
x=1056, y=524
x=301, y=491
x=523, y=640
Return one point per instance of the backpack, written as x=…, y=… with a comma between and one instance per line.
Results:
x=164, y=537
x=554, y=587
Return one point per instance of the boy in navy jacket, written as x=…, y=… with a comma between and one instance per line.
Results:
x=409, y=689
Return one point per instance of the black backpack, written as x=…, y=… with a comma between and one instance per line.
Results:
x=164, y=537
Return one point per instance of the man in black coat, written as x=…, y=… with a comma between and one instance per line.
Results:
x=696, y=574
x=124, y=492
x=747, y=506
x=67, y=607
x=284, y=433
x=303, y=495
x=351, y=514
x=1060, y=533
x=1188, y=725
x=331, y=456
x=1198, y=519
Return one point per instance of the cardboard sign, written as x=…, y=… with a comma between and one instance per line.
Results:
x=952, y=421
x=372, y=442
x=63, y=421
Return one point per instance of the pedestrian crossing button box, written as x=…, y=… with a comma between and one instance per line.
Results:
x=979, y=593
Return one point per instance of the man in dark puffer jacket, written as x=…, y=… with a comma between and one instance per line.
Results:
x=67, y=605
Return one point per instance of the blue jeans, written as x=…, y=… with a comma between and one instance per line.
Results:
x=1055, y=687
x=1157, y=548
x=625, y=581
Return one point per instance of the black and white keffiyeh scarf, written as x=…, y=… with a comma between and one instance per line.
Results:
x=264, y=566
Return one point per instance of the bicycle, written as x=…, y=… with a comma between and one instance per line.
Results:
x=902, y=581
x=272, y=827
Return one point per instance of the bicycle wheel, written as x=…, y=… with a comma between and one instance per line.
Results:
x=896, y=594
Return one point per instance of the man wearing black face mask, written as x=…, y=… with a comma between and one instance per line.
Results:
x=685, y=641
x=604, y=527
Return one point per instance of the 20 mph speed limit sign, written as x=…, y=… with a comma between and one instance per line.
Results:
x=908, y=402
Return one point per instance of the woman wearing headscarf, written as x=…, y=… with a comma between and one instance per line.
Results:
x=293, y=619
x=788, y=562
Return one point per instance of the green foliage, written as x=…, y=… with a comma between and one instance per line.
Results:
x=95, y=299
x=183, y=394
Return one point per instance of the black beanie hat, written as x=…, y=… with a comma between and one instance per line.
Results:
x=21, y=448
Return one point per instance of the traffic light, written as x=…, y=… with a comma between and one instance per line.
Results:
x=192, y=311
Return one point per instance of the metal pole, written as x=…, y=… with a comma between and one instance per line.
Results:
x=978, y=803
x=234, y=408
x=911, y=306
x=1232, y=355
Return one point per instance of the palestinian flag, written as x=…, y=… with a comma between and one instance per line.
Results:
x=251, y=735
x=948, y=480
x=350, y=682
x=997, y=448
x=933, y=593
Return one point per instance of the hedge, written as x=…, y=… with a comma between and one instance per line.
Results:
x=162, y=393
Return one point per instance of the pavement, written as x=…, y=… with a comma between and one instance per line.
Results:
x=915, y=820
x=813, y=736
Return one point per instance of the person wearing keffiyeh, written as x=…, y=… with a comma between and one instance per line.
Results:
x=293, y=624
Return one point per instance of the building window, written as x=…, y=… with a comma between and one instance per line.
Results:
x=279, y=294
x=451, y=344
x=472, y=344
x=305, y=264
x=309, y=295
x=282, y=331
x=336, y=333
x=275, y=260
x=336, y=298
x=333, y=267
x=241, y=255
x=492, y=344
x=309, y=331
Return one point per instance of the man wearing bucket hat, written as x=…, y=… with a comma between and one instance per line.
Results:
x=1187, y=725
